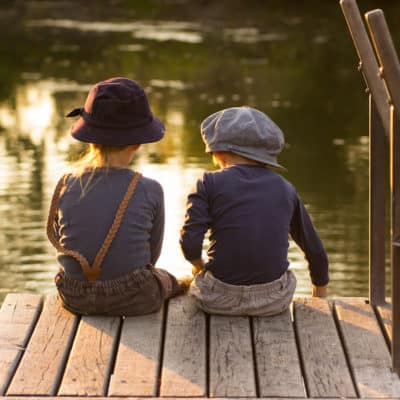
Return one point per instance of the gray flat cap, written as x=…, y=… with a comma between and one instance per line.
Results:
x=244, y=131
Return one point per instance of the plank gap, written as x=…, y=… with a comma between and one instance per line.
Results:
x=138, y=356
x=59, y=377
x=346, y=353
x=299, y=352
x=113, y=357
x=207, y=354
x=253, y=349
x=162, y=346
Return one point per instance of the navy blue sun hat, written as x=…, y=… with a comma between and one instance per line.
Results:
x=116, y=113
x=244, y=131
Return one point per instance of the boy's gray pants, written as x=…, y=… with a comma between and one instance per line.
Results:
x=216, y=297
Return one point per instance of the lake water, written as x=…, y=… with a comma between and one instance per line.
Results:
x=295, y=61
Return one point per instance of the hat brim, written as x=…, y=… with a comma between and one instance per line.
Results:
x=266, y=159
x=152, y=132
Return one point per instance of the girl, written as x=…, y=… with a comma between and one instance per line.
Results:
x=107, y=221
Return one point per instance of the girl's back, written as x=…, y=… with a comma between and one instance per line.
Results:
x=87, y=210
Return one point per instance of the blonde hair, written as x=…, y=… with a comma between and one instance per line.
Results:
x=96, y=156
x=222, y=158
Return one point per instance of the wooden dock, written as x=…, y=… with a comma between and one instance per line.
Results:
x=320, y=350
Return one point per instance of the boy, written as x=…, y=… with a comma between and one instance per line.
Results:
x=250, y=211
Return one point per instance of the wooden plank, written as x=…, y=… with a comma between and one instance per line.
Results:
x=18, y=315
x=278, y=365
x=43, y=362
x=231, y=357
x=385, y=316
x=163, y=398
x=138, y=358
x=366, y=349
x=88, y=368
x=184, y=363
x=325, y=368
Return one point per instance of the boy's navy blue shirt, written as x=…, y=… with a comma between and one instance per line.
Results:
x=250, y=212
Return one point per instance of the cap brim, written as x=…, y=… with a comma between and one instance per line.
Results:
x=152, y=132
x=264, y=159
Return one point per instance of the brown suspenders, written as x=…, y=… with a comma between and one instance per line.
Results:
x=91, y=272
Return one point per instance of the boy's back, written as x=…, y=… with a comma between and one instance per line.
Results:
x=250, y=211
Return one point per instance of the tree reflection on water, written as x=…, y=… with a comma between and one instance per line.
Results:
x=295, y=61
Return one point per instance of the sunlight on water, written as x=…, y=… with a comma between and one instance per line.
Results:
x=164, y=35
x=158, y=83
x=159, y=31
x=35, y=112
x=252, y=35
x=281, y=60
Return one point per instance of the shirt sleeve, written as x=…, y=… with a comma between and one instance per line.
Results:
x=197, y=221
x=157, y=231
x=305, y=235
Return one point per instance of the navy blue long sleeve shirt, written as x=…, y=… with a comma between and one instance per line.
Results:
x=83, y=222
x=250, y=212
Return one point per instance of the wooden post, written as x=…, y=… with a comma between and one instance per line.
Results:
x=395, y=234
x=390, y=72
x=386, y=52
x=377, y=181
x=368, y=63
x=379, y=126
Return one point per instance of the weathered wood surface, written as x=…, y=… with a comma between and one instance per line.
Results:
x=91, y=356
x=366, y=349
x=278, y=366
x=323, y=358
x=231, y=357
x=18, y=314
x=334, y=349
x=167, y=398
x=46, y=351
x=137, y=364
x=184, y=364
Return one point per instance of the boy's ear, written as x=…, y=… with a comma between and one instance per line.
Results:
x=218, y=159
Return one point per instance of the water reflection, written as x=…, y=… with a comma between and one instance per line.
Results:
x=295, y=63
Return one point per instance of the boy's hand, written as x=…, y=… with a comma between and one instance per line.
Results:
x=198, y=265
x=320, y=291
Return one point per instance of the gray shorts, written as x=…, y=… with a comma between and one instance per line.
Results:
x=216, y=297
x=139, y=292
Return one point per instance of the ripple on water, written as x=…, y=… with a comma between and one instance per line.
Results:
x=160, y=31
x=170, y=84
x=253, y=35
